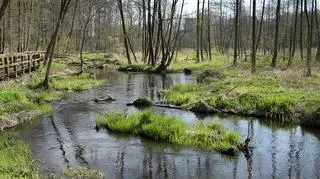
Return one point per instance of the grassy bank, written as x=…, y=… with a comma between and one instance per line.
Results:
x=23, y=100
x=16, y=160
x=212, y=136
x=285, y=95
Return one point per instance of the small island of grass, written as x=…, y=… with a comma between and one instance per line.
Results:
x=211, y=136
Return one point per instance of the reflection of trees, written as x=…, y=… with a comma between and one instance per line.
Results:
x=249, y=153
x=120, y=163
x=147, y=163
x=274, y=154
x=235, y=169
x=59, y=140
x=167, y=82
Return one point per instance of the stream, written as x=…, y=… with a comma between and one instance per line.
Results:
x=69, y=138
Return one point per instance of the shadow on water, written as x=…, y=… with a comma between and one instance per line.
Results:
x=69, y=138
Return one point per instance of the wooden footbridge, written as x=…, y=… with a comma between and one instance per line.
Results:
x=13, y=65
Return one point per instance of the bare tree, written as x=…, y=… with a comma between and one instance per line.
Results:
x=3, y=7
x=276, y=36
x=236, y=33
x=209, y=31
x=126, y=43
x=64, y=5
x=198, y=31
x=293, y=36
x=253, y=45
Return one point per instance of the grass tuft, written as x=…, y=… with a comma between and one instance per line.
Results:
x=16, y=160
x=212, y=136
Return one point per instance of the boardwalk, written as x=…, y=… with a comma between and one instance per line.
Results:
x=13, y=65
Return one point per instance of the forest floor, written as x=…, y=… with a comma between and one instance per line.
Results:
x=281, y=94
x=23, y=100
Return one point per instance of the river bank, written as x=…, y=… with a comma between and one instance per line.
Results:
x=70, y=136
x=278, y=94
x=23, y=100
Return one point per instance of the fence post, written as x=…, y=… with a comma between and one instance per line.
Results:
x=6, y=67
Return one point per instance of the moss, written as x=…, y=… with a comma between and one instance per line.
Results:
x=169, y=129
x=16, y=160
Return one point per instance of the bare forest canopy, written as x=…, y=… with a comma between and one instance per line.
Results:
x=154, y=31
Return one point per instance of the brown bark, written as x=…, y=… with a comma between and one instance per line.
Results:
x=64, y=6
x=276, y=36
x=309, y=38
x=236, y=34
x=4, y=6
x=253, y=45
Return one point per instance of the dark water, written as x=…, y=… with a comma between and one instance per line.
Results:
x=69, y=138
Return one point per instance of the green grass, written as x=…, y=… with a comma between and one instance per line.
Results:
x=16, y=160
x=26, y=95
x=276, y=94
x=212, y=136
x=74, y=82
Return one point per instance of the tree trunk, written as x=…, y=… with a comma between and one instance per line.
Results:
x=4, y=5
x=261, y=23
x=276, y=36
x=309, y=39
x=124, y=31
x=50, y=49
x=198, y=31
x=301, y=31
x=201, y=30
x=236, y=34
x=209, y=31
x=293, y=41
x=253, y=48
x=318, y=32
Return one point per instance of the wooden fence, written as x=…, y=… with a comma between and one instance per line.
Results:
x=13, y=65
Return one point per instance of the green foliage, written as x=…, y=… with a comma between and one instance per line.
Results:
x=16, y=160
x=172, y=130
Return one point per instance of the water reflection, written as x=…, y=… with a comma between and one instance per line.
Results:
x=69, y=138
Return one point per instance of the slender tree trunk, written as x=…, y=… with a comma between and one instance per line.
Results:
x=253, y=48
x=236, y=34
x=201, y=29
x=209, y=31
x=50, y=49
x=276, y=36
x=301, y=31
x=4, y=5
x=309, y=39
x=83, y=41
x=198, y=31
x=261, y=23
x=318, y=32
x=293, y=41
x=124, y=31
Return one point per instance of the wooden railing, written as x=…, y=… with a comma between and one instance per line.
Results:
x=13, y=65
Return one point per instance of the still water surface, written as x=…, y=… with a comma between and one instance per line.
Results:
x=69, y=138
